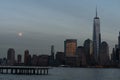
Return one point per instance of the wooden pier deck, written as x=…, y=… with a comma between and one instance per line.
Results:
x=25, y=70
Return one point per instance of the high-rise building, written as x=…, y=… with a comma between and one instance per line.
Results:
x=11, y=56
x=81, y=55
x=26, y=57
x=96, y=37
x=119, y=41
x=51, y=61
x=70, y=46
x=60, y=58
x=19, y=59
x=88, y=50
x=116, y=53
x=34, y=60
x=88, y=46
x=43, y=60
x=104, y=54
x=52, y=52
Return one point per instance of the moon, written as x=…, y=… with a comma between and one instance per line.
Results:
x=20, y=34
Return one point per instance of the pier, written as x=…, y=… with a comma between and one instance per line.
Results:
x=24, y=70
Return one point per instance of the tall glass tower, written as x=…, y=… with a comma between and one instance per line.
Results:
x=96, y=37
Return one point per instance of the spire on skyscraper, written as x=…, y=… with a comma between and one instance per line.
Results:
x=96, y=11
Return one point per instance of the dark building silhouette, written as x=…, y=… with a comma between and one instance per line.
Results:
x=29, y=60
x=34, y=61
x=52, y=52
x=26, y=57
x=119, y=41
x=71, y=61
x=43, y=60
x=81, y=55
x=60, y=58
x=51, y=60
x=19, y=59
x=88, y=46
x=70, y=46
x=115, y=56
x=96, y=37
x=11, y=56
x=104, y=54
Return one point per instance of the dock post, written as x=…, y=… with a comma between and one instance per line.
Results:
x=33, y=71
x=40, y=71
x=7, y=71
x=47, y=71
x=44, y=71
x=2, y=71
x=11, y=71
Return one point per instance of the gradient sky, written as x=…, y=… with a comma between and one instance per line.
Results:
x=49, y=22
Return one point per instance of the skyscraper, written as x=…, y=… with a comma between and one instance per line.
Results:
x=52, y=52
x=70, y=46
x=119, y=41
x=19, y=59
x=11, y=56
x=88, y=50
x=51, y=60
x=88, y=46
x=96, y=37
x=26, y=57
x=104, y=54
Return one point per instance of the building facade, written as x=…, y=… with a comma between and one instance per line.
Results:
x=81, y=57
x=70, y=46
x=11, y=56
x=88, y=50
x=104, y=54
x=51, y=60
x=60, y=58
x=119, y=41
x=96, y=37
x=19, y=59
x=26, y=57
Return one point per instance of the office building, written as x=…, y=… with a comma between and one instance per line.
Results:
x=119, y=41
x=104, y=54
x=80, y=52
x=70, y=46
x=96, y=37
x=11, y=56
x=19, y=59
x=26, y=57
x=88, y=50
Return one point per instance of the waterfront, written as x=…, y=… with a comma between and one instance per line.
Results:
x=69, y=74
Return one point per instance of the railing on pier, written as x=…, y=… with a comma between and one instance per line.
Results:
x=26, y=70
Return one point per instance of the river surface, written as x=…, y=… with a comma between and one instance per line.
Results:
x=69, y=74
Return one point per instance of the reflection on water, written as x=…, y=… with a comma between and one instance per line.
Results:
x=69, y=74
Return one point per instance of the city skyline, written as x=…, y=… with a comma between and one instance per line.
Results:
x=46, y=23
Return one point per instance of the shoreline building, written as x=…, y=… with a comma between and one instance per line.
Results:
x=11, y=57
x=96, y=37
x=26, y=58
x=19, y=59
x=104, y=54
x=52, y=59
x=88, y=50
x=119, y=41
x=70, y=46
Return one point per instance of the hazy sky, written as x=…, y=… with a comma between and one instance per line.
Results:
x=49, y=22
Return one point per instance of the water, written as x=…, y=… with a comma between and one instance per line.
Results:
x=69, y=74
